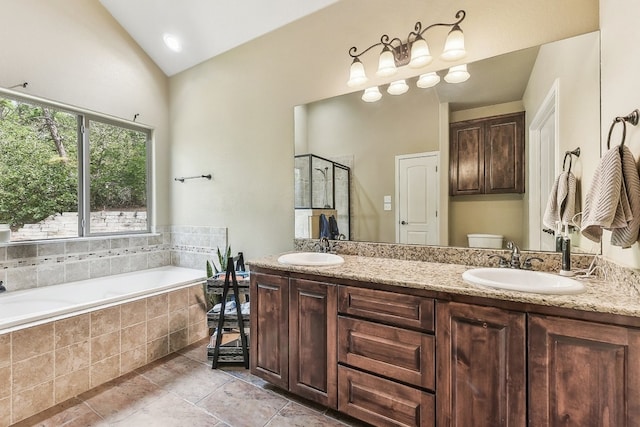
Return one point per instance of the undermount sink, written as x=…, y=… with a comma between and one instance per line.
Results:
x=316, y=259
x=523, y=281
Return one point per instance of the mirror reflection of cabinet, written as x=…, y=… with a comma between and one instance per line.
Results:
x=487, y=155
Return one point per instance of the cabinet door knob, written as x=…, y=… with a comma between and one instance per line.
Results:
x=403, y=222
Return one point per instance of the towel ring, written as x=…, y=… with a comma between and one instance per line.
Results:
x=567, y=154
x=631, y=118
x=570, y=154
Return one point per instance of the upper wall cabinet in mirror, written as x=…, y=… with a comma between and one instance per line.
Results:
x=556, y=85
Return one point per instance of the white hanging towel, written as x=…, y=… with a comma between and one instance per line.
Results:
x=613, y=201
x=561, y=206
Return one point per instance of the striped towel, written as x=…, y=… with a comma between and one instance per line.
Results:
x=561, y=206
x=613, y=201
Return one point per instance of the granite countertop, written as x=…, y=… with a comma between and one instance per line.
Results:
x=600, y=296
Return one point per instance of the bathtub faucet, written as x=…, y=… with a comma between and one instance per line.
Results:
x=2, y=288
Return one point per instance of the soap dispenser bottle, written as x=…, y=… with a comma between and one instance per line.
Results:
x=558, y=236
x=566, y=252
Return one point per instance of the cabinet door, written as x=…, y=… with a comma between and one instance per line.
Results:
x=312, y=341
x=504, y=154
x=480, y=366
x=269, y=347
x=583, y=374
x=466, y=158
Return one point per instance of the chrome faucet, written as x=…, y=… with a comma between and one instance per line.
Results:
x=515, y=254
x=515, y=258
x=324, y=245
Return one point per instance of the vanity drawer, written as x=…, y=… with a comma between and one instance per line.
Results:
x=403, y=355
x=381, y=402
x=389, y=307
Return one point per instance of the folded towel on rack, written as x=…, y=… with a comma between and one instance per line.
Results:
x=613, y=201
x=561, y=206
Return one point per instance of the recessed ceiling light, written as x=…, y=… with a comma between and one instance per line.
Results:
x=172, y=42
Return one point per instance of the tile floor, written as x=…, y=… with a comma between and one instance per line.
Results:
x=182, y=390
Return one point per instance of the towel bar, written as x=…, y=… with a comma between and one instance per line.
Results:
x=631, y=118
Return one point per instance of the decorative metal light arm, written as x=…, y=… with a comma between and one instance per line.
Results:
x=418, y=31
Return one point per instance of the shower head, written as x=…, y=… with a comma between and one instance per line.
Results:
x=323, y=172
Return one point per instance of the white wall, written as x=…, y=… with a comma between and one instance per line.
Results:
x=620, y=37
x=578, y=79
x=73, y=51
x=233, y=115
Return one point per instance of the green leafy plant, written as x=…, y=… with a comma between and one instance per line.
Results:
x=223, y=259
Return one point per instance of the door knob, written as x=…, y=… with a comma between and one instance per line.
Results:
x=404, y=222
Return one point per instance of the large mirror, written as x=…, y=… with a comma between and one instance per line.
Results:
x=557, y=85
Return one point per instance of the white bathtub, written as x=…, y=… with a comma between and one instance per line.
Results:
x=29, y=307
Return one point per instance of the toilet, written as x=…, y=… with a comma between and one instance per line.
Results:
x=493, y=241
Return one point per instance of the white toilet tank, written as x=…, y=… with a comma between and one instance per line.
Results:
x=493, y=241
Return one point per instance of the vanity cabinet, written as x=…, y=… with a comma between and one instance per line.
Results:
x=583, y=373
x=487, y=155
x=394, y=356
x=293, y=335
x=481, y=366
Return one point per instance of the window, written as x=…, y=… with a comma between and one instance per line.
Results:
x=68, y=173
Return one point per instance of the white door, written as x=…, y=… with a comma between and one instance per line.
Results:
x=543, y=157
x=547, y=176
x=417, y=199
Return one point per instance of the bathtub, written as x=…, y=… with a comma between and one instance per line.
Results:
x=30, y=307
x=60, y=341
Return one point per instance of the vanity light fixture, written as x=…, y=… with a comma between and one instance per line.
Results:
x=413, y=52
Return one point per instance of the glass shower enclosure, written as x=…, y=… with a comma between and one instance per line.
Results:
x=321, y=187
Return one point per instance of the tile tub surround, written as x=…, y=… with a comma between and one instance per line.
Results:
x=602, y=296
x=28, y=265
x=47, y=364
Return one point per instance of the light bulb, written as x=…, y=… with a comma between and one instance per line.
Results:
x=454, y=46
x=371, y=94
x=420, y=54
x=457, y=74
x=398, y=87
x=386, y=64
x=428, y=80
x=357, y=76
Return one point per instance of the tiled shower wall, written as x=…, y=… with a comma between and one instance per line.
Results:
x=30, y=265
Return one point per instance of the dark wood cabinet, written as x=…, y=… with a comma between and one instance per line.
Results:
x=481, y=366
x=486, y=156
x=293, y=336
x=313, y=366
x=269, y=349
x=400, y=358
x=583, y=373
